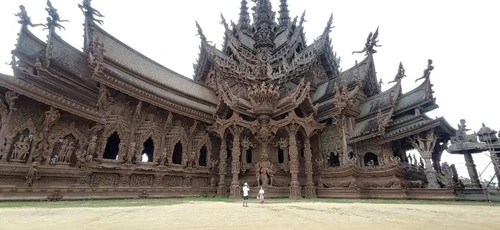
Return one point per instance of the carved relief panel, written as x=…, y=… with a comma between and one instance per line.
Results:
x=141, y=180
x=172, y=181
x=330, y=140
x=104, y=179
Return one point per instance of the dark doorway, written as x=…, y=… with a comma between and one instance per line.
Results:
x=112, y=147
x=149, y=148
x=334, y=160
x=370, y=159
x=202, y=161
x=281, y=156
x=249, y=155
x=229, y=154
x=177, y=155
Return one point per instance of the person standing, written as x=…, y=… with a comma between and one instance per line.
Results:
x=261, y=195
x=246, y=189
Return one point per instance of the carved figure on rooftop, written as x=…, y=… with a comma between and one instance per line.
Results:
x=461, y=134
x=400, y=75
x=90, y=12
x=371, y=43
x=24, y=19
x=427, y=72
x=53, y=21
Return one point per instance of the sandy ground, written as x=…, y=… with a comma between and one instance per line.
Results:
x=220, y=215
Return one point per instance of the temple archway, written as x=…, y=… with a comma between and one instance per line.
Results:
x=281, y=156
x=248, y=156
x=112, y=147
x=202, y=159
x=351, y=155
x=149, y=148
x=370, y=159
x=177, y=154
x=334, y=160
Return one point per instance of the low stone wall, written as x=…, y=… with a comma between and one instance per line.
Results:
x=83, y=193
x=387, y=193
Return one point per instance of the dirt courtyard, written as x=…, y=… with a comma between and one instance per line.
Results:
x=231, y=215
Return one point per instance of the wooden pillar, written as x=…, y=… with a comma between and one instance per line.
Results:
x=234, y=191
x=294, y=162
x=221, y=189
x=425, y=146
x=310, y=189
x=471, y=168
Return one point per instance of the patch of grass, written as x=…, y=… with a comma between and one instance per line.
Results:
x=175, y=201
x=91, y=203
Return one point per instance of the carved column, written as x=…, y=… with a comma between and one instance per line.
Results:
x=294, y=162
x=425, y=146
x=130, y=147
x=471, y=168
x=235, y=164
x=158, y=180
x=7, y=121
x=8, y=145
x=221, y=189
x=310, y=189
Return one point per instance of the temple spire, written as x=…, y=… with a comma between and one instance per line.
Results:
x=284, y=18
x=263, y=12
x=244, y=20
x=264, y=24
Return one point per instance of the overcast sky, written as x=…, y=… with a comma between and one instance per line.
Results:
x=460, y=36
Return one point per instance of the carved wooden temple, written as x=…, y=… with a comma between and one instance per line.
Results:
x=266, y=109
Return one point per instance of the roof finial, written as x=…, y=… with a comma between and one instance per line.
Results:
x=329, y=26
x=371, y=43
x=53, y=20
x=302, y=18
x=200, y=32
x=284, y=18
x=24, y=19
x=223, y=22
x=244, y=20
x=90, y=12
x=427, y=72
x=400, y=75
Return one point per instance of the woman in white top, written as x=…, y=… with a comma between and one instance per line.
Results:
x=261, y=195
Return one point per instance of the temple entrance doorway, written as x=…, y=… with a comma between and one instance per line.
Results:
x=112, y=147
x=202, y=160
x=370, y=159
x=281, y=156
x=249, y=156
x=177, y=154
x=148, y=151
x=334, y=160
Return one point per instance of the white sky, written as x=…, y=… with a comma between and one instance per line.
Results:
x=460, y=36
